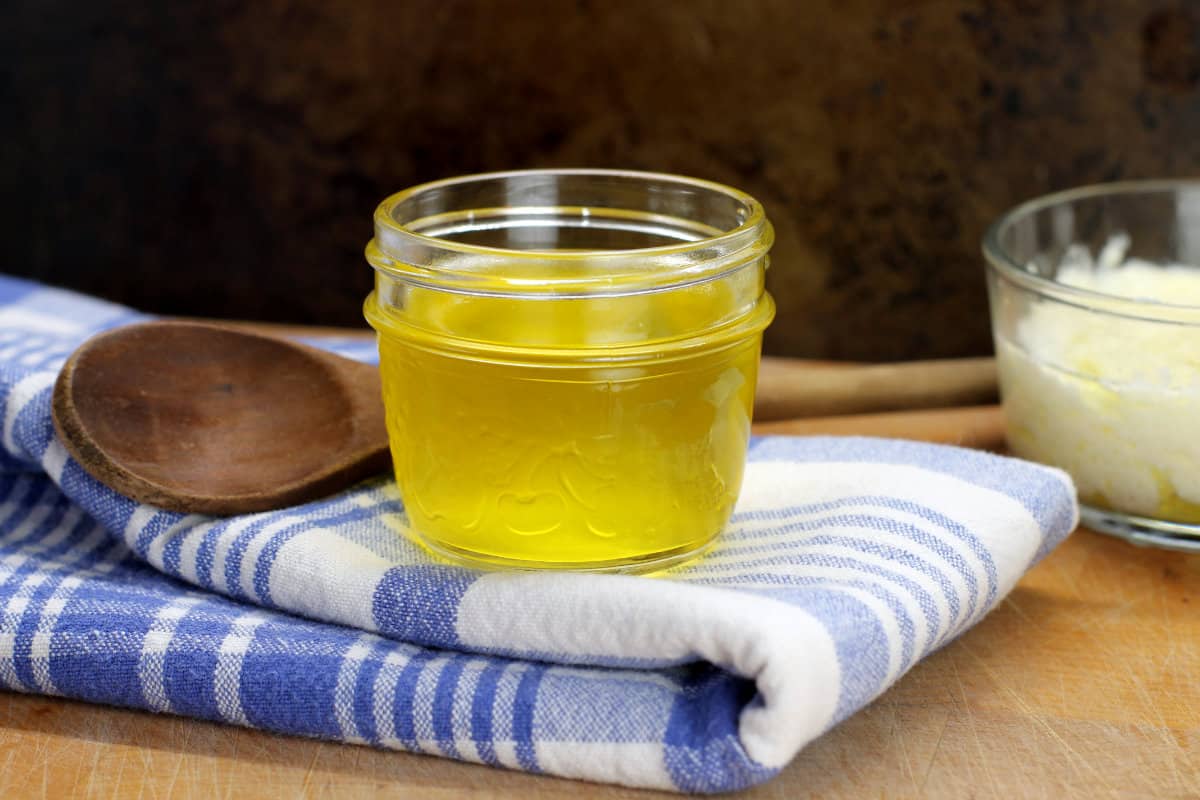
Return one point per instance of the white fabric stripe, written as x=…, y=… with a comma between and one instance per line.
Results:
x=16, y=317
x=1001, y=523
x=21, y=394
x=221, y=551
x=138, y=520
x=766, y=567
x=297, y=582
x=890, y=625
x=54, y=461
x=460, y=713
x=12, y=562
x=641, y=764
x=343, y=692
x=190, y=549
x=16, y=605
x=63, y=529
x=628, y=675
x=40, y=651
x=154, y=650
x=503, y=743
x=8, y=675
x=382, y=694
x=76, y=553
x=7, y=509
x=252, y=551
x=154, y=553
x=17, y=536
x=789, y=539
x=424, y=699
x=227, y=679
x=13, y=503
x=22, y=347
x=38, y=512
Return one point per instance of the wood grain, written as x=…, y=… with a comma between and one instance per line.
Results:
x=789, y=388
x=261, y=423
x=1080, y=684
x=981, y=427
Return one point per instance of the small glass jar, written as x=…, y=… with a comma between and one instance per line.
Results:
x=569, y=360
x=1095, y=299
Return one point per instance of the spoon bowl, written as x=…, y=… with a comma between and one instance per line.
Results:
x=206, y=419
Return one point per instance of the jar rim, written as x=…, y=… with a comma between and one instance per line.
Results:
x=1007, y=267
x=436, y=262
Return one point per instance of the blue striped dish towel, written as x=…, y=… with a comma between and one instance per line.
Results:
x=846, y=562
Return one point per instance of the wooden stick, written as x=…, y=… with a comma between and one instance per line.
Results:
x=981, y=427
x=793, y=388
x=788, y=389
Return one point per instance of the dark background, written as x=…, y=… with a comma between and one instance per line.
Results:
x=224, y=159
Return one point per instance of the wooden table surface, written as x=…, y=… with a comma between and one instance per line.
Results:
x=1084, y=682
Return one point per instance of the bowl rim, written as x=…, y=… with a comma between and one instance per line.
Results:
x=1006, y=267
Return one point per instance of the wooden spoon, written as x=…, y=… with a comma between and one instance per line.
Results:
x=200, y=418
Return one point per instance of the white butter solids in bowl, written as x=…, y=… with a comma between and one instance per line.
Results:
x=1096, y=319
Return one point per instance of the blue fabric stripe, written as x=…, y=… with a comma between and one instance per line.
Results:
x=173, y=554
x=29, y=425
x=55, y=573
x=206, y=553
x=924, y=600
x=443, y=707
x=406, y=690
x=364, y=693
x=864, y=544
x=237, y=550
x=887, y=595
x=482, y=708
x=13, y=289
x=956, y=529
x=703, y=753
x=420, y=603
x=1050, y=502
x=524, y=708
x=155, y=527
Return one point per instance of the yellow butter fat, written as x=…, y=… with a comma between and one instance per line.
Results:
x=533, y=458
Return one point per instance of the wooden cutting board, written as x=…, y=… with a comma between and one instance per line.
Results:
x=1084, y=682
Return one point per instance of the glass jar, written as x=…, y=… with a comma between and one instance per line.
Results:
x=569, y=360
x=1095, y=299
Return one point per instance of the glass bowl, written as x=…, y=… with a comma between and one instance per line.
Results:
x=1095, y=304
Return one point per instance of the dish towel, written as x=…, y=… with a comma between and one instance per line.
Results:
x=847, y=560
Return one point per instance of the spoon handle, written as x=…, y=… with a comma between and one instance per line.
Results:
x=980, y=427
x=790, y=389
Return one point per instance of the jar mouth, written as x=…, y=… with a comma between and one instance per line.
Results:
x=1001, y=237
x=567, y=232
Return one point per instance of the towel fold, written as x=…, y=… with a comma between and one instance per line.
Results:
x=845, y=563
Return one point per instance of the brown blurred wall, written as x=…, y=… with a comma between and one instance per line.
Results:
x=224, y=158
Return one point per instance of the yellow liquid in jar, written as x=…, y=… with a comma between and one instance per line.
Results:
x=535, y=461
